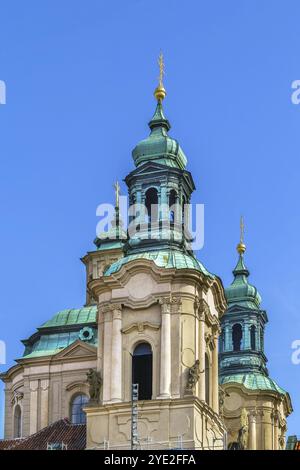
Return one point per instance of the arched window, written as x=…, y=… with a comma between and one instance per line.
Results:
x=172, y=202
x=18, y=422
x=237, y=335
x=77, y=404
x=151, y=204
x=207, y=388
x=142, y=370
x=253, y=337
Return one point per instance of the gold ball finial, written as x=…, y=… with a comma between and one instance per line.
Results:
x=241, y=247
x=160, y=91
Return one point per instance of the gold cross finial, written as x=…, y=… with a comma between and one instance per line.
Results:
x=117, y=192
x=161, y=69
x=242, y=227
x=160, y=91
x=241, y=248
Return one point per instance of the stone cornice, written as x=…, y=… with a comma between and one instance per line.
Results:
x=263, y=394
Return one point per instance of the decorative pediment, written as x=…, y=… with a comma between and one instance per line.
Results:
x=78, y=349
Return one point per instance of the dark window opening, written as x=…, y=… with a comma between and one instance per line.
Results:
x=18, y=422
x=237, y=335
x=206, y=379
x=77, y=414
x=151, y=203
x=142, y=370
x=253, y=337
x=172, y=202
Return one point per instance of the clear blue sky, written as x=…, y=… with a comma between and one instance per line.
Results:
x=80, y=77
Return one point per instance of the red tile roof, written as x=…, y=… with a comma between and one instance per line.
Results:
x=73, y=436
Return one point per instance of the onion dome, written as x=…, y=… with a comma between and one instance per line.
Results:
x=240, y=292
x=159, y=146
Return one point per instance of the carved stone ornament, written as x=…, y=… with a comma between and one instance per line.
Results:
x=16, y=397
x=193, y=376
x=95, y=383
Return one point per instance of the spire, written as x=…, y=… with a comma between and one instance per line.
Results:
x=241, y=247
x=159, y=119
x=115, y=234
x=240, y=269
x=117, y=194
x=159, y=146
x=240, y=291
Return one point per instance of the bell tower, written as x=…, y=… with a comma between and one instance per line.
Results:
x=159, y=313
x=255, y=407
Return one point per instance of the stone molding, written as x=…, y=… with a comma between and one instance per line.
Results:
x=140, y=327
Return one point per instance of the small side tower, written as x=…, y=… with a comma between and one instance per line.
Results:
x=255, y=407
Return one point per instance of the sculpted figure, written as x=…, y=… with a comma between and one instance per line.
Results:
x=95, y=382
x=193, y=376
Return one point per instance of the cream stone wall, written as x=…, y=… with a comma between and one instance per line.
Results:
x=177, y=314
x=266, y=413
x=44, y=387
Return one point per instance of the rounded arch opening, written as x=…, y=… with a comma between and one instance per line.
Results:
x=172, y=205
x=237, y=335
x=253, y=337
x=151, y=204
x=142, y=370
x=77, y=404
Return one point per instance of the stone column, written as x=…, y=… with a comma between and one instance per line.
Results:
x=202, y=348
x=165, y=349
x=246, y=333
x=44, y=403
x=252, y=430
x=276, y=436
x=215, y=368
x=107, y=319
x=228, y=338
x=116, y=354
x=100, y=321
x=33, y=386
x=175, y=347
x=268, y=431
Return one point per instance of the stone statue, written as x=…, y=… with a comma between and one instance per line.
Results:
x=243, y=431
x=242, y=434
x=193, y=376
x=222, y=395
x=95, y=382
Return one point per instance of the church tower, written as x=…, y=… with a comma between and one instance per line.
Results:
x=255, y=407
x=159, y=312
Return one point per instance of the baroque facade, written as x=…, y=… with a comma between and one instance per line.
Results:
x=154, y=316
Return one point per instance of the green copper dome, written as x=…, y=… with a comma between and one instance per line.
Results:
x=159, y=146
x=60, y=331
x=240, y=292
x=253, y=382
x=168, y=259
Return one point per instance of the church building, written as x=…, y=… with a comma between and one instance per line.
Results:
x=155, y=321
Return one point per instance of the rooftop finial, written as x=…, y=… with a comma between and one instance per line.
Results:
x=117, y=189
x=160, y=91
x=241, y=248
